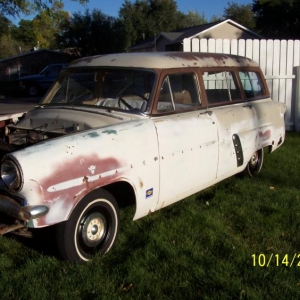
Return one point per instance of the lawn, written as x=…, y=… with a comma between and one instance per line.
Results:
x=239, y=239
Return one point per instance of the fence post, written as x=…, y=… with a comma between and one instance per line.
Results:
x=297, y=99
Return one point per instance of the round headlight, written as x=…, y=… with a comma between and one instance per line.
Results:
x=10, y=174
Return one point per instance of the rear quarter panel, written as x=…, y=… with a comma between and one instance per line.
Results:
x=258, y=124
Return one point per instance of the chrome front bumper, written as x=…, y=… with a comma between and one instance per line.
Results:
x=11, y=208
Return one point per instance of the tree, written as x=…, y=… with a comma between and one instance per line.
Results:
x=25, y=33
x=192, y=18
x=92, y=33
x=241, y=14
x=277, y=18
x=15, y=7
x=5, y=25
x=42, y=30
x=48, y=24
x=144, y=19
x=9, y=46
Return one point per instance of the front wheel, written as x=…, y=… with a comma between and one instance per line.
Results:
x=91, y=229
x=32, y=90
x=255, y=163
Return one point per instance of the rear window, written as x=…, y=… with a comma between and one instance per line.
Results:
x=252, y=84
x=221, y=86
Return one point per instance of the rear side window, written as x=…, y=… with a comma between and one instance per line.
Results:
x=252, y=84
x=221, y=86
x=178, y=91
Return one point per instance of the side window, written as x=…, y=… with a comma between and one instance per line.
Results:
x=178, y=91
x=221, y=86
x=252, y=84
x=54, y=70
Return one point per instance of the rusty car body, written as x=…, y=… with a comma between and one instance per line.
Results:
x=142, y=128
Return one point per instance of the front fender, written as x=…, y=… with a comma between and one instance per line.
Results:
x=58, y=173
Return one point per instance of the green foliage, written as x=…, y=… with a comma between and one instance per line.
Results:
x=92, y=33
x=25, y=33
x=241, y=14
x=192, y=18
x=144, y=19
x=199, y=248
x=47, y=24
x=5, y=25
x=277, y=18
x=42, y=30
x=15, y=7
x=10, y=47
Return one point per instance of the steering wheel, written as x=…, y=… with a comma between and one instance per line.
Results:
x=126, y=104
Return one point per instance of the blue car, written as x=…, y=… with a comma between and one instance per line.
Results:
x=34, y=85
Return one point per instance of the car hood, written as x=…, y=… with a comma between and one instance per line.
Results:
x=64, y=120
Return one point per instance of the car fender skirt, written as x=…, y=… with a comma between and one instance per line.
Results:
x=12, y=208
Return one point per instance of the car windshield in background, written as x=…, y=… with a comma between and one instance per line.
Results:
x=118, y=88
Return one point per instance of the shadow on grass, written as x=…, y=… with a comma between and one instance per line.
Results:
x=42, y=241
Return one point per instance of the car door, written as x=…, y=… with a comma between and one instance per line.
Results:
x=236, y=118
x=187, y=139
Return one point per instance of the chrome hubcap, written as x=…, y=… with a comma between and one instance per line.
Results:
x=254, y=160
x=93, y=229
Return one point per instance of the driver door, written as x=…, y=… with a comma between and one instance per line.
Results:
x=187, y=139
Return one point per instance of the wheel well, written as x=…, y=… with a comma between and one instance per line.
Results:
x=123, y=193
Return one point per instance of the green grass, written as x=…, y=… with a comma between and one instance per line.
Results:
x=199, y=248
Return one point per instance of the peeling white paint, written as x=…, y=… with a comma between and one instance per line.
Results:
x=92, y=169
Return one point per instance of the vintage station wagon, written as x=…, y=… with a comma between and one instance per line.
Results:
x=147, y=129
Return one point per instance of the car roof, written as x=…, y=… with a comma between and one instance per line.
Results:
x=162, y=60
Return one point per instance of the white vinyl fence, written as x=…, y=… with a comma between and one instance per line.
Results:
x=279, y=60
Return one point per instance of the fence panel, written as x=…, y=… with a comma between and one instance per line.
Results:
x=276, y=60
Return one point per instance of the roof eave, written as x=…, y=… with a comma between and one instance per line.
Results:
x=223, y=22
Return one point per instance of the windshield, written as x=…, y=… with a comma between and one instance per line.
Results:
x=124, y=89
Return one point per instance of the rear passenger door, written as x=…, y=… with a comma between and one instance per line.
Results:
x=187, y=139
x=236, y=119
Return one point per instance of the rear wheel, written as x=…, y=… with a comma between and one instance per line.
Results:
x=91, y=229
x=255, y=163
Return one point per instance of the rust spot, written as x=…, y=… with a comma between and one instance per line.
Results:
x=75, y=167
x=265, y=135
x=141, y=183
